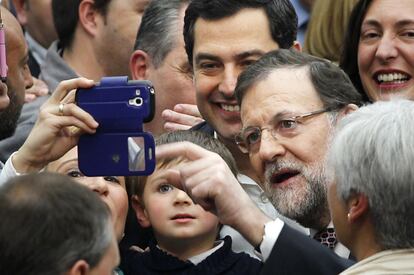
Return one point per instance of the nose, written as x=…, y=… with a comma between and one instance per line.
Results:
x=387, y=49
x=270, y=147
x=229, y=80
x=98, y=185
x=182, y=198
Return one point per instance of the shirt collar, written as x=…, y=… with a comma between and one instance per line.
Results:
x=201, y=257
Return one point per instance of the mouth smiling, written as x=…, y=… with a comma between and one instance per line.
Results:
x=229, y=107
x=394, y=78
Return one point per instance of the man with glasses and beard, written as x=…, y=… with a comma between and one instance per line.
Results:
x=289, y=105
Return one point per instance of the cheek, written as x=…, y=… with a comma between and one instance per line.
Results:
x=256, y=164
x=157, y=207
x=364, y=59
x=203, y=85
x=119, y=198
x=210, y=220
x=313, y=147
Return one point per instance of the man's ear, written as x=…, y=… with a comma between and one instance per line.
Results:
x=140, y=211
x=139, y=64
x=296, y=46
x=347, y=110
x=21, y=7
x=88, y=17
x=358, y=206
x=81, y=267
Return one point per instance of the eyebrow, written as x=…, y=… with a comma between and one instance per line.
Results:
x=371, y=22
x=240, y=56
x=275, y=118
x=247, y=54
x=201, y=56
x=404, y=22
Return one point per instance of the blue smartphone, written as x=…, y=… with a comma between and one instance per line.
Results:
x=119, y=147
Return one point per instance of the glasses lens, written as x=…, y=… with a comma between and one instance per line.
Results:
x=251, y=136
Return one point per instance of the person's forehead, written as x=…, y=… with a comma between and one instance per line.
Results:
x=247, y=19
x=382, y=9
x=70, y=157
x=249, y=27
x=288, y=90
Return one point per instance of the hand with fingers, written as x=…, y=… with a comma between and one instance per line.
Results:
x=209, y=182
x=57, y=129
x=182, y=117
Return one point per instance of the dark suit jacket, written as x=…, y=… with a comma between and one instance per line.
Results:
x=203, y=127
x=296, y=253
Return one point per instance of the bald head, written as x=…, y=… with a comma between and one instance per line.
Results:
x=18, y=76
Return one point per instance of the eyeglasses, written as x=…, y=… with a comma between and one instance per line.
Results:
x=249, y=138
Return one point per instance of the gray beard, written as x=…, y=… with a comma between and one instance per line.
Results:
x=304, y=202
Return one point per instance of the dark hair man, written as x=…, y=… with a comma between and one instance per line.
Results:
x=53, y=225
x=223, y=37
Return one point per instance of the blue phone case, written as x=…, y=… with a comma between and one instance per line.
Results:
x=120, y=107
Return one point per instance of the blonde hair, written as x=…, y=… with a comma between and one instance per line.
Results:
x=326, y=28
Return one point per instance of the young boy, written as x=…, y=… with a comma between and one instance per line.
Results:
x=185, y=233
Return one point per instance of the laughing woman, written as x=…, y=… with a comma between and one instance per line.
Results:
x=379, y=49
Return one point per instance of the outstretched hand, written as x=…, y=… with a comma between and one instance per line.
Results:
x=57, y=129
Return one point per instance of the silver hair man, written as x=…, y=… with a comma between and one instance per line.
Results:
x=372, y=154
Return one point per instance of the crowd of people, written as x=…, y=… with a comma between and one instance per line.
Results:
x=283, y=137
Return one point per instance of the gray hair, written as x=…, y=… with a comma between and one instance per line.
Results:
x=333, y=86
x=373, y=154
x=159, y=30
x=49, y=222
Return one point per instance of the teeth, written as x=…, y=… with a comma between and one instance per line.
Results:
x=230, y=108
x=395, y=77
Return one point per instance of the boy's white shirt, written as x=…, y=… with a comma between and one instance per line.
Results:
x=202, y=256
